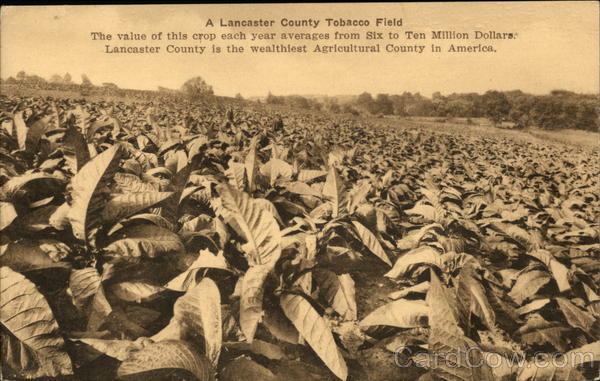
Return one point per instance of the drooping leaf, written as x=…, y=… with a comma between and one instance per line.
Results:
x=119, y=349
x=406, y=262
x=26, y=256
x=38, y=181
x=533, y=306
x=420, y=288
x=25, y=313
x=298, y=187
x=307, y=175
x=257, y=226
x=399, y=313
x=338, y=291
x=315, y=331
x=88, y=187
x=585, y=354
x=528, y=284
x=130, y=183
x=139, y=241
x=125, y=205
x=168, y=354
x=371, y=242
x=539, y=331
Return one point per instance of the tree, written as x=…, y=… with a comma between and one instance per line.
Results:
x=382, y=105
x=85, y=81
x=197, y=88
x=495, y=105
x=274, y=100
x=56, y=79
x=67, y=78
x=364, y=99
x=21, y=75
x=239, y=97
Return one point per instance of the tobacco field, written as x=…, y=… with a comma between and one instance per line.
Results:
x=234, y=242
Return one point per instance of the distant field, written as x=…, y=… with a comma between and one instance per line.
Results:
x=472, y=126
x=481, y=126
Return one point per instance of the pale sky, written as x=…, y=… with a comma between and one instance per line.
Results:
x=557, y=48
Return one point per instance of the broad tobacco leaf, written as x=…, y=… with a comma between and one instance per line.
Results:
x=167, y=355
x=315, y=331
x=87, y=191
x=138, y=241
x=25, y=313
x=254, y=223
x=197, y=313
x=399, y=313
x=251, y=299
x=456, y=352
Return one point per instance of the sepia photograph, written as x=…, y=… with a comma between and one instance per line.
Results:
x=300, y=191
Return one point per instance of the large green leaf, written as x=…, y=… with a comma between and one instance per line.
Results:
x=25, y=313
x=88, y=189
x=315, y=331
x=254, y=223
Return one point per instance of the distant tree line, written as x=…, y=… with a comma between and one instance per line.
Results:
x=295, y=101
x=559, y=109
